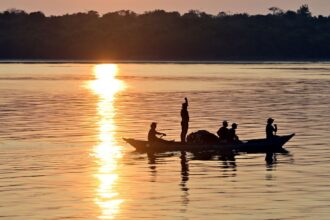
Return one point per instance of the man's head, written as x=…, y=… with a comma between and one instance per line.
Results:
x=270, y=120
x=153, y=125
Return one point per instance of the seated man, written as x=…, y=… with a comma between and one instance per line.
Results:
x=223, y=132
x=232, y=137
x=152, y=135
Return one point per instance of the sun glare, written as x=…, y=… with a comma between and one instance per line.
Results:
x=106, y=71
x=107, y=152
x=106, y=85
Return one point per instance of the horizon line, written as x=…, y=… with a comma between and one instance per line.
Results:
x=229, y=13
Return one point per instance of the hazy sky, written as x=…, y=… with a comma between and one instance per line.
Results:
x=57, y=7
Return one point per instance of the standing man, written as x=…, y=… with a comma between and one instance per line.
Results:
x=270, y=129
x=184, y=120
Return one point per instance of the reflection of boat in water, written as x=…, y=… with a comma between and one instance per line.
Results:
x=274, y=145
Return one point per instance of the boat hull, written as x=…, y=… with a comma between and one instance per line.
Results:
x=274, y=145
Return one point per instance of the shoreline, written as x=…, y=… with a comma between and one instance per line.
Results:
x=162, y=61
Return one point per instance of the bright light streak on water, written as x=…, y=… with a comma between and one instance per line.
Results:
x=107, y=152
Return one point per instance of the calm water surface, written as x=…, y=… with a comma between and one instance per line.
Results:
x=62, y=154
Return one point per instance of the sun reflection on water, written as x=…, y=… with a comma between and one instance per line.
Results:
x=107, y=152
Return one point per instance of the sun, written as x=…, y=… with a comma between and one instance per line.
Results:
x=105, y=71
x=105, y=84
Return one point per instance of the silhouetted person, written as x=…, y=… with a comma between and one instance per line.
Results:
x=270, y=129
x=184, y=120
x=152, y=135
x=223, y=131
x=232, y=137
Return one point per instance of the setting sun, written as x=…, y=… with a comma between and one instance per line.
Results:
x=105, y=71
x=106, y=84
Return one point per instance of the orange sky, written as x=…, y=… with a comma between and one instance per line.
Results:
x=57, y=7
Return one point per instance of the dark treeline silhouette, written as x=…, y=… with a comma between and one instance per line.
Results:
x=161, y=35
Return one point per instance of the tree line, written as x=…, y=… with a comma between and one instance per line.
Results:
x=161, y=35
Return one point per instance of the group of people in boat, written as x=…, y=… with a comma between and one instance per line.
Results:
x=225, y=134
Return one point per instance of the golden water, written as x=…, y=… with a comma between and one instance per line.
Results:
x=62, y=154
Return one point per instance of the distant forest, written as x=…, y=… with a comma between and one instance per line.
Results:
x=161, y=35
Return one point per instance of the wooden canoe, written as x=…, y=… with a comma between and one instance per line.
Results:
x=274, y=145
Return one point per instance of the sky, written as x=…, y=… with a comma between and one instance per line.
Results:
x=59, y=7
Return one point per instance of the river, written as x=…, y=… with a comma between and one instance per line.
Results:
x=62, y=155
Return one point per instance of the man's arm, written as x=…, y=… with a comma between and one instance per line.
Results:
x=160, y=133
x=275, y=128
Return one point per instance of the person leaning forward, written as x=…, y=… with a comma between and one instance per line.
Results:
x=232, y=137
x=152, y=134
